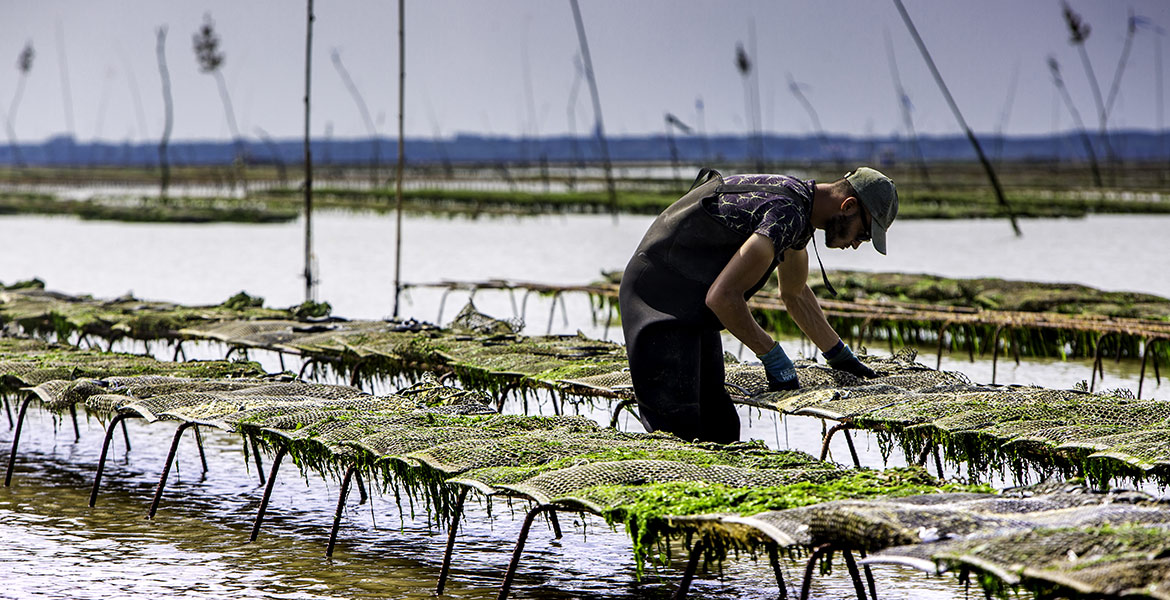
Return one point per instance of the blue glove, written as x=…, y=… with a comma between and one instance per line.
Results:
x=840, y=357
x=780, y=371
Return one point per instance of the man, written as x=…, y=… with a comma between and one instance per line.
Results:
x=700, y=261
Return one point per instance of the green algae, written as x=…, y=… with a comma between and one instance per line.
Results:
x=645, y=510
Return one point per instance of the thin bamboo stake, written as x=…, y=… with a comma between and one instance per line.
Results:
x=610, y=185
x=959, y=116
x=401, y=156
x=309, y=279
x=169, y=119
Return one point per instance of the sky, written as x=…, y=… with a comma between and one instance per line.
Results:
x=510, y=67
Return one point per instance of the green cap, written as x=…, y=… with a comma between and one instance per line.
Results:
x=880, y=199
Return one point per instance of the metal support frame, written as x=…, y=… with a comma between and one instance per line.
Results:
x=813, y=557
x=125, y=435
x=349, y=473
x=774, y=560
x=97, y=478
x=995, y=351
x=1149, y=348
x=684, y=586
x=256, y=457
x=309, y=362
x=1097, y=362
x=202, y=455
x=510, y=575
x=942, y=330
x=16, y=439
x=850, y=563
x=617, y=411
x=76, y=427
x=445, y=571
x=267, y=492
x=848, y=439
x=166, y=470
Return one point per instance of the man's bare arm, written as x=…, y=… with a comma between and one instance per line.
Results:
x=725, y=296
x=802, y=303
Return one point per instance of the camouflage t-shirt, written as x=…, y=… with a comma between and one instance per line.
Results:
x=782, y=219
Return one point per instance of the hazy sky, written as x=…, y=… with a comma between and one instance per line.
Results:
x=508, y=66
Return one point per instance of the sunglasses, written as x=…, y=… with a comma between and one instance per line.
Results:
x=867, y=225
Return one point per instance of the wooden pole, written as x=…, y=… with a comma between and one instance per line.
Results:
x=309, y=275
x=959, y=116
x=401, y=155
x=610, y=185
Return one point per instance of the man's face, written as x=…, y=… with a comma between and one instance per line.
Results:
x=848, y=228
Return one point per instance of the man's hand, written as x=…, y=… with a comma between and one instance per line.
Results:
x=840, y=357
x=780, y=371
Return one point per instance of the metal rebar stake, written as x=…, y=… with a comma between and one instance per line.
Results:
x=684, y=586
x=97, y=478
x=256, y=457
x=166, y=471
x=349, y=472
x=199, y=444
x=362, y=495
x=125, y=436
x=76, y=428
x=445, y=571
x=267, y=492
x=869, y=580
x=16, y=440
x=808, y=568
x=617, y=411
x=854, y=574
x=829, y=437
x=774, y=560
x=524, y=529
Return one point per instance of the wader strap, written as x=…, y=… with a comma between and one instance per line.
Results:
x=824, y=277
x=704, y=176
x=747, y=188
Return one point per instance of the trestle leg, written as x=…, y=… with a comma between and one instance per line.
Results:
x=256, y=457
x=849, y=440
x=684, y=586
x=16, y=439
x=76, y=428
x=97, y=478
x=774, y=560
x=451, y=533
x=267, y=492
x=854, y=574
x=510, y=575
x=811, y=565
x=349, y=473
x=166, y=471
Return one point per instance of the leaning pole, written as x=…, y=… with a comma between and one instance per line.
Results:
x=610, y=186
x=308, y=159
x=401, y=155
x=959, y=116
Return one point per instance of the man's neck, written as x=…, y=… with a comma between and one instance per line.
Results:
x=824, y=204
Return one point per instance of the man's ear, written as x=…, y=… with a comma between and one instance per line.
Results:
x=850, y=205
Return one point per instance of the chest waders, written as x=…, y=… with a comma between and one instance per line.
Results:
x=672, y=338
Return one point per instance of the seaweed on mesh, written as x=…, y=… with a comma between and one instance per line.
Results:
x=645, y=510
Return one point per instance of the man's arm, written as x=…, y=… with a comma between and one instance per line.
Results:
x=802, y=303
x=725, y=296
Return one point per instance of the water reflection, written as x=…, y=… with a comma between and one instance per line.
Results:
x=53, y=545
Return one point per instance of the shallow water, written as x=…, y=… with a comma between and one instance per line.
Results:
x=52, y=545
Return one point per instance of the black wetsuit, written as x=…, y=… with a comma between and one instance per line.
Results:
x=672, y=338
